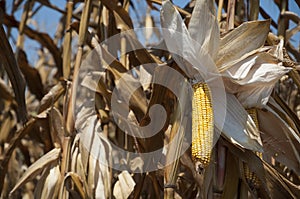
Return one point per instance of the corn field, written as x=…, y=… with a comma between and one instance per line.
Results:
x=149, y=99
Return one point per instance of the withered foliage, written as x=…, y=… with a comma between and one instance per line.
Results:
x=60, y=135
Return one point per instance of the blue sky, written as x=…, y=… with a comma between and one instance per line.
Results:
x=48, y=19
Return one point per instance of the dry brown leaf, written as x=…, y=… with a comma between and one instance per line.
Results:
x=279, y=186
x=14, y=142
x=275, y=142
x=95, y=81
x=14, y=74
x=42, y=38
x=123, y=19
x=32, y=76
x=137, y=164
x=95, y=152
x=128, y=87
x=253, y=79
x=232, y=178
x=51, y=97
x=6, y=126
x=76, y=179
x=141, y=54
x=5, y=91
x=241, y=42
x=128, y=83
x=37, y=167
x=56, y=127
x=49, y=183
x=175, y=147
x=254, y=162
x=124, y=186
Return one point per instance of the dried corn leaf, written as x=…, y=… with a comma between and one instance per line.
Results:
x=32, y=75
x=238, y=125
x=77, y=166
x=231, y=178
x=37, y=167
x=76, y=179
x=141, y=53
x=123, y=19
x=43, y=38
x=255, y=78
x=204, y=27
x=5, y=91
x=10, y=64
x=177, y=133
x=137, y=164
x=254, y=162
x=254, y=96
x=279, y=186
x=160, y=2
x=263, y=68
x=95, y=152
x=14, y=142
x=273, y=184
x=48, y=185
x=278, y=140
x=56, y=127
x=124, y=186
x=95, y=81
x=129, y=88
x=241, y=42
x=6, y=125
x=178, y=39
x=130, y=92
x=51, y=97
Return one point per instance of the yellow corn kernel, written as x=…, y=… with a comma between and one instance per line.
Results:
x=250, y=176
x=202, y=124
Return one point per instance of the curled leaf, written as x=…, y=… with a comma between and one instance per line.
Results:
x=37, y=167
x=124, y=186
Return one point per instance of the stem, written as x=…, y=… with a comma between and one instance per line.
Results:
x=254, y=10
x=220, y=7
x=230, y=14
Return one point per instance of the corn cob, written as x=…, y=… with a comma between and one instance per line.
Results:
x=202, y=124
x=250, y=176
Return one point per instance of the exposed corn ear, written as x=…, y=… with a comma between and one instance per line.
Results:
x=202, y=124
x=250, y=176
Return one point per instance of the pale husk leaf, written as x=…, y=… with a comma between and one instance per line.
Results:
x=241, y=41
x=50, y=184
x=94, y=155
x=177, y=38
x=124, y=186
x=239, y=127
x=253, y=78
x=204, y=28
